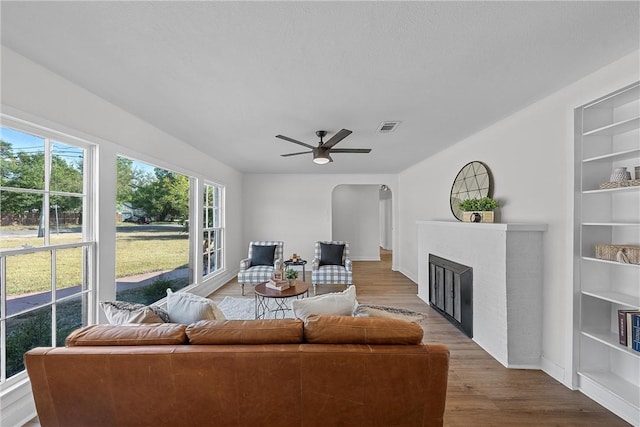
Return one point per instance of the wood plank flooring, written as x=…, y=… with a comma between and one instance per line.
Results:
x=481, y=391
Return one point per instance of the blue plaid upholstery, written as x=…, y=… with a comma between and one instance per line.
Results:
x=260, y=273
x=331, y=274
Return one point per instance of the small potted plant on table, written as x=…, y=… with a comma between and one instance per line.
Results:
x=478, y=210
x=291, y=275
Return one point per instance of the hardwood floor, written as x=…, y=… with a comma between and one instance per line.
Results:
x=481, y=391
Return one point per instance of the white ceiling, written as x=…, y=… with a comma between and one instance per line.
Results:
x=226, y=77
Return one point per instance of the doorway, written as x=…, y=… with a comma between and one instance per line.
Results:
x=362, y=215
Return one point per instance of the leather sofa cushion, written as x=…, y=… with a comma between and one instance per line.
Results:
x=361, y=330
x=134, y=334
x=229, y=332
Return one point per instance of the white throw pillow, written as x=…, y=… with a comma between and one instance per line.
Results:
x=122, y=312
x=187, y=308
x=337, y=303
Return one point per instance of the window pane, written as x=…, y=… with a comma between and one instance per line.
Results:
x=28, y=281
x=69, y=271
x=70, y=315
x=24, y=332
x=20, y=220
x=151, y=256
x=65, y=219
x=66, y=168
x=22, y=160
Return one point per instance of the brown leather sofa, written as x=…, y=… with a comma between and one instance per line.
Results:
x=328, y=371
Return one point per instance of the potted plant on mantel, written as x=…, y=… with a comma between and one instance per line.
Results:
x=291, y=275
x=478, y=210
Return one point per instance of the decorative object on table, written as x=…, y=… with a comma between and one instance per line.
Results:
x=621, y=253
x=620, y=174
x=472, y=182
x=295, y=258
x=478, y=210
x=291, y=275
x=278, y=284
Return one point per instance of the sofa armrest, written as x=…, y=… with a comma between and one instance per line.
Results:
x=315, y=264
x=347, y=264
x=245, y=263
x=277, y=265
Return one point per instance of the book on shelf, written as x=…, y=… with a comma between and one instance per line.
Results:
x=277, y=284
x=635, y=339
x=625, y=326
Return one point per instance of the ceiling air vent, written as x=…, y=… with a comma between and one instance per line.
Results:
x=386, y=127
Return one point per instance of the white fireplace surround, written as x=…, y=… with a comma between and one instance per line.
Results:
x=507, y=282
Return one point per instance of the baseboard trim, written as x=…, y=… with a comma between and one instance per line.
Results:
x=554, y=370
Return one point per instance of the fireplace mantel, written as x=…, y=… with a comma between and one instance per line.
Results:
x=507, y=282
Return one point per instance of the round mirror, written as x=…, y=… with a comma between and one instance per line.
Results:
x=472, y=182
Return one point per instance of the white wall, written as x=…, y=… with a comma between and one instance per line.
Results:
x=530, y=155
x=32, y=93
x=386, y=219
x=355, y=218
x=296, y=208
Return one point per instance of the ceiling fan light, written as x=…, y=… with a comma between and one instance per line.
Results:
x=321, y=157
x=320, y=160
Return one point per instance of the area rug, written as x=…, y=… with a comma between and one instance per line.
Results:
x=244, y=309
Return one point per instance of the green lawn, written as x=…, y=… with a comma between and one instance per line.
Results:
x=137, y=252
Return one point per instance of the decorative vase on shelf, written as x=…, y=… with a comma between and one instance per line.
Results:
x=620, y=174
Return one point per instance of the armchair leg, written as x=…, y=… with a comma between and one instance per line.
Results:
x=314, y=289
x=242, y=287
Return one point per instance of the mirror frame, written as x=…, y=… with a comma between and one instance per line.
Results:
x=469, y=184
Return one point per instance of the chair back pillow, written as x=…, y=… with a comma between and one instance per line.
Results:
x=262, y=254
x=331, y=254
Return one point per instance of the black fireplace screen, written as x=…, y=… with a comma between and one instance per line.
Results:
x=451, y=292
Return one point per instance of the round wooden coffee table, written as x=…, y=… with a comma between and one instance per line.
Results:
x=263, y=295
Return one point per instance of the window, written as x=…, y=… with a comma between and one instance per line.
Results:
x=152, y=235
x=46, y=241
x=213, y=242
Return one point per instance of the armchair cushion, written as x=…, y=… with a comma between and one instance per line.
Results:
x=262, y=254
x=331, y=254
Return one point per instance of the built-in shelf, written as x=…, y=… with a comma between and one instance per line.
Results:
x=624, y=389
x=605, y=370
x=615, y=100
x=619, y=155
x=613, y=190
x=605, y=261
x=615, y=297
x=611, y=224
x=617, y=128
x=610, y=339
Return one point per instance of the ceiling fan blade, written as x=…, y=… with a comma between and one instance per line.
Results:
x=286, y=138
x=295, y=154
x=339, y=136
x=351, y=150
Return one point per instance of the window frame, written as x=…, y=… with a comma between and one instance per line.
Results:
x=204, y=231
x=87, y=241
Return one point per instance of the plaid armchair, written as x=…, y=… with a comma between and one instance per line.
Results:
x=254, y=275
x=331, y=274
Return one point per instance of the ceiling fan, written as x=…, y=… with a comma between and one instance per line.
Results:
x=321, y=153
